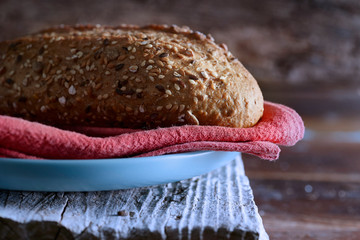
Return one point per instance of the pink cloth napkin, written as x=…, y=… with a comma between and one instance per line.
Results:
x=19, y=138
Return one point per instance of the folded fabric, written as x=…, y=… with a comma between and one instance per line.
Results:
x=280, y=125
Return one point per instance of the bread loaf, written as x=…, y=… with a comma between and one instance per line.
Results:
x=126, y=76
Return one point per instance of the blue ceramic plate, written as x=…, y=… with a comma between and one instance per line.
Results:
x=107, y=174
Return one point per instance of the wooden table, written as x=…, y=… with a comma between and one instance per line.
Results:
x=313, y=190
x=218, y=205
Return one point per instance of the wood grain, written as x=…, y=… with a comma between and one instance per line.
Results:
x=313, y=190
x=216, y=205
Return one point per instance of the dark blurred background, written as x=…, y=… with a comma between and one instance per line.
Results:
x=304, y=54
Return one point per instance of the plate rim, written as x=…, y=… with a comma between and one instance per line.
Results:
x=95, y=160
x=77, y=175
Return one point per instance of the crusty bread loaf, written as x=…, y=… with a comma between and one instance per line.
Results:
x=126, y=76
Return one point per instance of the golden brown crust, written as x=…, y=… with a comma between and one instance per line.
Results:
x=126, y=76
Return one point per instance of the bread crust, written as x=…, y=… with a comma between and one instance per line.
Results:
x=126, y=76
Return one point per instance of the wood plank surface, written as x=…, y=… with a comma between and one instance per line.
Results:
x=218, y=205
x=313, y=190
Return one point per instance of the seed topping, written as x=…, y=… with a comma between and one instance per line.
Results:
x=160, y=88
x=106, y=42
x=72, y=90
x=133, y=68
x=176, y=74
x=163, y=55
x=204, y=74
x=193, y=77
x=119, y=66
x=62, y=100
